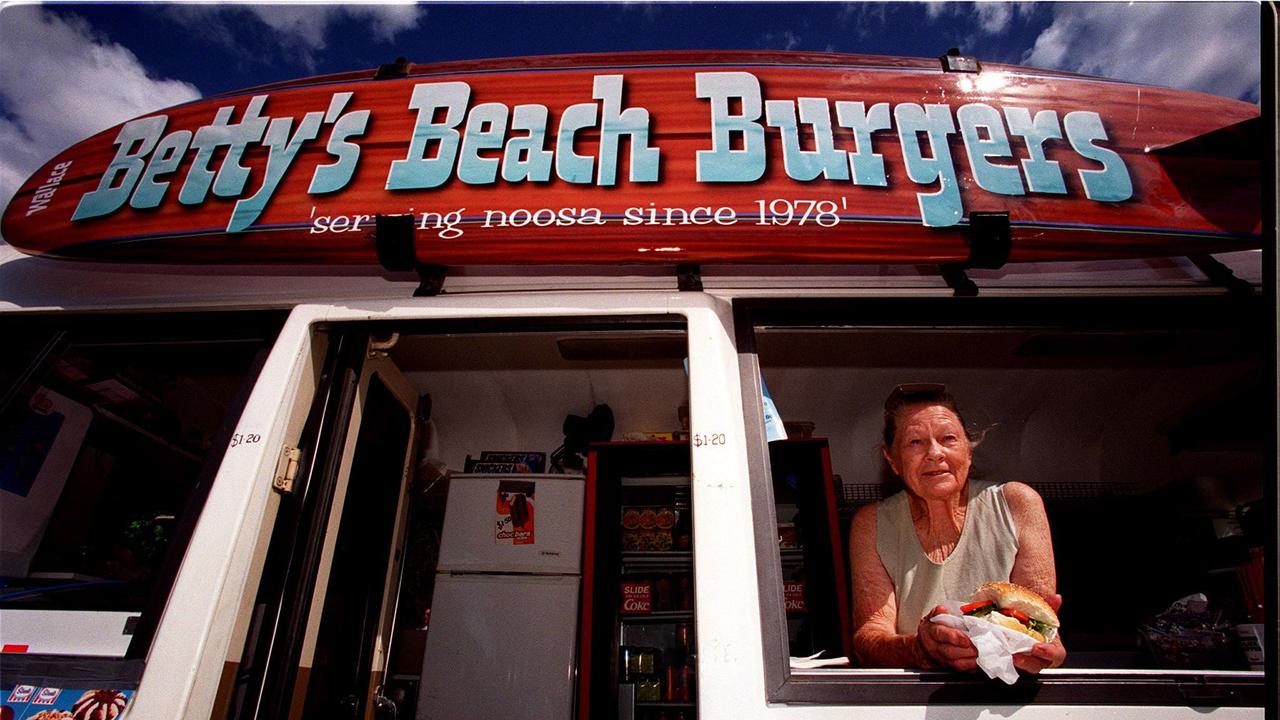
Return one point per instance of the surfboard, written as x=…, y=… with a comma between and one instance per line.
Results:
x=668, y=158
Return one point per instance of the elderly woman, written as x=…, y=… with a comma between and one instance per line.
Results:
x=939, y=539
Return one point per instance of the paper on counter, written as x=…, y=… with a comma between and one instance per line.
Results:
x=996, y=645
x=813, y=661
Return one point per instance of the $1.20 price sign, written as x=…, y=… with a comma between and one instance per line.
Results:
x=703, y=440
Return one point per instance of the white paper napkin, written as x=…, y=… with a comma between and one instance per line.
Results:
x=996, y=645
x=813, y=661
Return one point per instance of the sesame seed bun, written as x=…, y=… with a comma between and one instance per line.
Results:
x=1016, y=597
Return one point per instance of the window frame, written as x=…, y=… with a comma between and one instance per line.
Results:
x=261, y=327
x=1075, y=686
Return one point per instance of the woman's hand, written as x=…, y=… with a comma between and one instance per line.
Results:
x=942, y=646
x=1043, y=655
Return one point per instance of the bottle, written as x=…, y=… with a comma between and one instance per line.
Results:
x=683, y=532
x=627, y=664
x=688, y=676
x=648, y=684
x=662, y=594
x=649, y=689
x=679, y=673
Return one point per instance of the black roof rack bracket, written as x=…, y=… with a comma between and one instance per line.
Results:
x=990, y=239
x=1220, y=274
x=689, y=278
x=393, y=240
x=431, y=279
x=958, y=281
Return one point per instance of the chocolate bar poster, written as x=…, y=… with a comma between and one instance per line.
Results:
x=514, y=523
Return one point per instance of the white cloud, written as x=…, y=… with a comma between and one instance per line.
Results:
x=299, y=29
x=308, y=23
x=649, y=9
x=993, y=18
x=1210, y=47
x=59, y=83
x=786, y=41
x=865, y=19
x=388, y=21
x=935, y=10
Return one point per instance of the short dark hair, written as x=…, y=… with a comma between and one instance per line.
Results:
x=914, y=394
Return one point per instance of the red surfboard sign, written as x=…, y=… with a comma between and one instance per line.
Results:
x=658, y=158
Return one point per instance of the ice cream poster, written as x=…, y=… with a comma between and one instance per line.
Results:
x=29, y=702
x=514, y=522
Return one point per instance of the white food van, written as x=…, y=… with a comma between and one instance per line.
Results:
x=227, y=488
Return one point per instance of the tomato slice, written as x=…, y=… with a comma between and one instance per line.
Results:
x=1015, y=614
x=966, y=609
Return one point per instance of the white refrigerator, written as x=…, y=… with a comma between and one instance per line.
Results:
x=504, y=612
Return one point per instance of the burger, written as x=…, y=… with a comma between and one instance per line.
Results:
x=1014, y=607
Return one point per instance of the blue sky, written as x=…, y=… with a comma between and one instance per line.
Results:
x=68, y=70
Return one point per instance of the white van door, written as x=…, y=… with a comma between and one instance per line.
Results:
x=349, y=631
x=329, y=584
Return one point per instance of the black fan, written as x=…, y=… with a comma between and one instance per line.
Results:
x=579, y=432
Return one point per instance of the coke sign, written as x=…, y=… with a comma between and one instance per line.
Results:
x=637, y=597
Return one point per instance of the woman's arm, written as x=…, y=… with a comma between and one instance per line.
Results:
x=876, y=642
x=1033, y=567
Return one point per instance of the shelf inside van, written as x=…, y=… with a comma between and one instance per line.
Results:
x=676, y=480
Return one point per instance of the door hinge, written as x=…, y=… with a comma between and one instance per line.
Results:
x=286, y=469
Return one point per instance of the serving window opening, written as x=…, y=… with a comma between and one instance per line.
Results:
x=1142, y=425
x=570, y=445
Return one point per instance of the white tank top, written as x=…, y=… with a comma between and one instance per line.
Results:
x=984, y=553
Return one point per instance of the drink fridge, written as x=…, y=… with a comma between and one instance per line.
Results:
x=504, y=611
x=638, y=656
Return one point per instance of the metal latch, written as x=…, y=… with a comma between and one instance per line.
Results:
x=286, y=469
